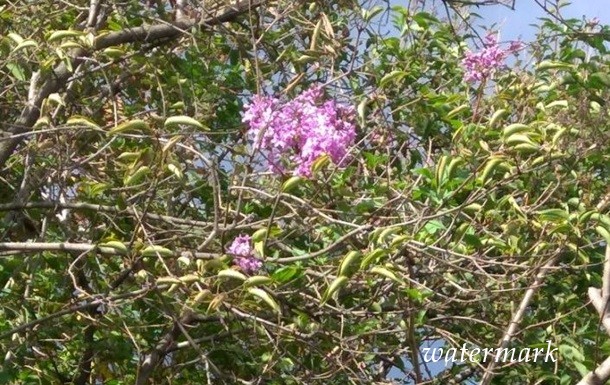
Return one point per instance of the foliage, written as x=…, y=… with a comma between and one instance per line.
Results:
x=136, y=213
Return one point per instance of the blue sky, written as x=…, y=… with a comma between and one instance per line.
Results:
x=517, y=24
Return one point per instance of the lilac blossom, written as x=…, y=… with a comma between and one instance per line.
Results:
x=243, y=253
x=249, y=264
x=482, y=65
x=299, y=131
x=241, y=246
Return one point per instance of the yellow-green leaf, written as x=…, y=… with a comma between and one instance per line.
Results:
x=119, y=246
x=372, y=257
x=230, y=273
x=58, y=35
x=262, y=294
x=258, y=280
x=350, y=259
x=386, y=273
x=80, y=121
x=183, y=120
x=337, y=284
x=292, y=183
x=259, y=235
x=137, y=176
x=152, y=251
x=25, y=44
x=136, y=125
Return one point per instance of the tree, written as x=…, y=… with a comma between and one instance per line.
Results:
x=291, y=193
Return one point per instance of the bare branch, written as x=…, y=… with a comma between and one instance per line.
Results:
x=514, y=323
x=94, y=9
x=599, y=376
x=95, y=302
x=599, y=300
x=58, y=78
x=86, y=247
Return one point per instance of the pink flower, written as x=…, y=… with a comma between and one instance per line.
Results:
x=241, y=246
x=483, y=64
x=299, y=131
x=243, y=254
x=249, y=264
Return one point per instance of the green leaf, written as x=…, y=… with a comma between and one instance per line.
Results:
x=495, y=118
x=549, y=65
x=262, y=294
x=599, y=80
x=258, y=280
x=175, y=169
x=334, y=287
x=136, y=125
x=137, y=176
x=386, y=273
x=392, y=76
x=349, y=262
x=259, y=235
x=152, y=251
x=81, y=121
x=17, y=71
x=433, y=226
x=119, y=246
x=260, y=248
x=553, y=215
x=292, y=183
x=25, y=44
x=604, y=233
x=15, y=37
x=372, y=257
x=62, y=34
x=286, y=273
x=231, y=273
x=184, y=121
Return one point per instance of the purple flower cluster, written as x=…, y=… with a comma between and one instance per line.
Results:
x=301, y=130
x=243, y=254
x=482, y=65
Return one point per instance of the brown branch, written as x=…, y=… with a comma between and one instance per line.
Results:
x=600, y=300
x=97, y=301
x=168, y=344
x=101, y=208
x=87, y=247
x=518, y=316
x=59, y=77
x=84, y=368
x=156, y=355
x=83, y=373
x=137, y=214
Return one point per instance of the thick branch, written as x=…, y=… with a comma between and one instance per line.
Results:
x=518, y=316
x=600, y=304
x=102, y=208
x=156, y=355
x=86, y=247
x=59, y=77
x=600, y=299
x=191, y=223
x=168, y=344
x=599, y=376
x=93, y=303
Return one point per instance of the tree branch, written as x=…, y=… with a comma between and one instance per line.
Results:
x=86, y=247
x=102, y=208
x=518, y=316
x=93, y=303
x=600, y=299
x=57, y=79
